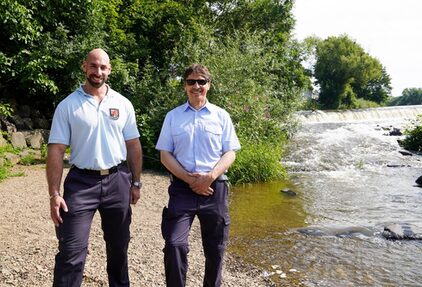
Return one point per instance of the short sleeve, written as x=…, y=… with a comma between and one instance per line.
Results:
x=165, y=140
x=60, y=128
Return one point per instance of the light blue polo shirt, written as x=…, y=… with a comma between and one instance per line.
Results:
x=198, y=139
x=96, y=132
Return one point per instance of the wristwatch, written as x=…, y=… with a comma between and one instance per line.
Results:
x=137, y=184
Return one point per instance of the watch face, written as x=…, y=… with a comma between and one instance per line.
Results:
x=137, y=184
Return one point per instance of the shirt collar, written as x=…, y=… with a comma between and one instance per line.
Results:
x=207, y=107
x=82, y=92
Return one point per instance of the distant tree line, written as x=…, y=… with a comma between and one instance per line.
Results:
x=409, y=96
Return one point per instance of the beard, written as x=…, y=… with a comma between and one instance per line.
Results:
x=94, y=83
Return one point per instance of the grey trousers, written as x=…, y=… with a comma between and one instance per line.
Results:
x=84, y=195
x=212, y=212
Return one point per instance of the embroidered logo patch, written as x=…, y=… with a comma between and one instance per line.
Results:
x=114, y=113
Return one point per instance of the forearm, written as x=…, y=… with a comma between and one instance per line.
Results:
x=54, y=169
x=134, y=158
x=223, y=164
x=173, y=166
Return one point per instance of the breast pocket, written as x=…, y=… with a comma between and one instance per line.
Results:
x=213, y=134
x=181, y=135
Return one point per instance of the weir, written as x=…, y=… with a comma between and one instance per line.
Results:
x=356, y=115
x=354, y=189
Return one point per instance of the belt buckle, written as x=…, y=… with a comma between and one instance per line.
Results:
x=104, y=172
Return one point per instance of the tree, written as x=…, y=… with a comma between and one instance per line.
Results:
x=42, y=45
x=409, y=96
x=347, y=75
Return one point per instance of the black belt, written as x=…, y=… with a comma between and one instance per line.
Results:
x=99, y=172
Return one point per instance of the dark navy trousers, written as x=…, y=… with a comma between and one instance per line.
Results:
x=213, y=215
x=84, y=195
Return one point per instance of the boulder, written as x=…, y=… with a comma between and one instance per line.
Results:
x=405, y=152
x=288, y=192
x=12, y=158
x=419, y=181
x=8, y=126
x=36, y=140
x=3, y=142
x=395, y=132
x=401, y=231
x=18, y=140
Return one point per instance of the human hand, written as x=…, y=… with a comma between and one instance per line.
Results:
x=56, y=203
x=135, y=194
x=202, y=184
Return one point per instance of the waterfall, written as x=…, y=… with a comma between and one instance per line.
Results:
x=370, y=114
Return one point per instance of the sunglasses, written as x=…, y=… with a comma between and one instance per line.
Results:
x=200, y=82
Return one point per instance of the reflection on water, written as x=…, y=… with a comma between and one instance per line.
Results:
x=261, y=211
x=351, y=181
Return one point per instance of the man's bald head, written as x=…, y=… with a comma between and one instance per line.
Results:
x=98, y=53
x=97, y=67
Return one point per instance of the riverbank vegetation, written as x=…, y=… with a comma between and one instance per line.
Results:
x=413, y=136
x=248, y=46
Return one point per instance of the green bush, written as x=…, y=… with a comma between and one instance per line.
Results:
x=413, y=138
x=257, y=163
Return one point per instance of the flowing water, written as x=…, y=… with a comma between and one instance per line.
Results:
x=351, y=180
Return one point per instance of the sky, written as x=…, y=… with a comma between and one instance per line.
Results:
x=389, y=30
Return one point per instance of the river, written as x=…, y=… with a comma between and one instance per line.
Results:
x=351, y=181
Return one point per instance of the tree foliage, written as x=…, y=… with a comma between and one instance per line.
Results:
x=258, y=76
x=410, y=96
x=346, y=74
x=42, y=45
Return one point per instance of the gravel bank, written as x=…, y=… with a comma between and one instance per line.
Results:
x=28, y=243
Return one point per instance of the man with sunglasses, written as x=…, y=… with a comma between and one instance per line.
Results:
x=197, y=145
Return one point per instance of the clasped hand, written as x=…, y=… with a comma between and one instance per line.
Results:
x=200, y=183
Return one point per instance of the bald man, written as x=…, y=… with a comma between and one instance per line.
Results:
x=99, y=126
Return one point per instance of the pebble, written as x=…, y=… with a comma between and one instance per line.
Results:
x=266, y=274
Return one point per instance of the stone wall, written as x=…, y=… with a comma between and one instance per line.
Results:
x=27, y=129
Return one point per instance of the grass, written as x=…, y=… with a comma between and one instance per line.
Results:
x=26, y=160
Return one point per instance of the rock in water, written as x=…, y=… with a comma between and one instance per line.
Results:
x=419, y=181
x=402, y=231
x=404, y=152
x=288, y=192
x=395, y=132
